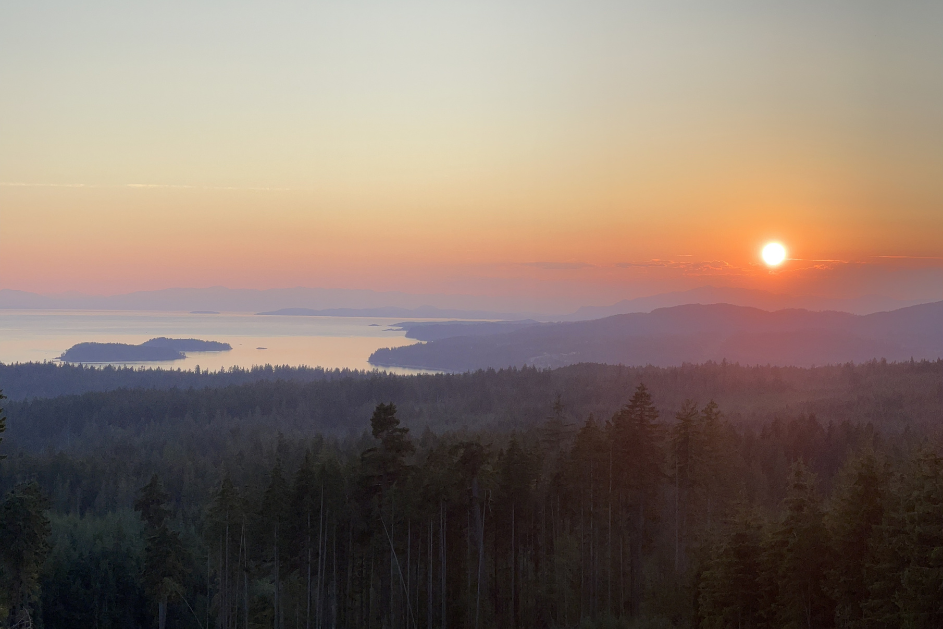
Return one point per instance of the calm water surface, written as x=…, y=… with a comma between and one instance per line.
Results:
x=330, y=342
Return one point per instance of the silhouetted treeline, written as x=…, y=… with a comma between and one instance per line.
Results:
x=887, y=395
x=42, y=380
x=658, y=512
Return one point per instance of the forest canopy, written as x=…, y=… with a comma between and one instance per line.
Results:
x=592, y=496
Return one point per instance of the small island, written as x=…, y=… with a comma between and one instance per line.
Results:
x=157, y=349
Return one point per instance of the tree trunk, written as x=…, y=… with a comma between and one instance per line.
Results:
x=443, y=542
x=429, y=578
x=514, y=601
x=636, y=558
x=162, y=613
x=308, y=588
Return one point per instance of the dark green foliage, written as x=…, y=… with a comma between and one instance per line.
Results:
x=24, y=529
x=797, y=557
x=3, y=422
x=521, y=510
x=857, y=510
x=729, y=592
x=164, y=551
x=92, y=577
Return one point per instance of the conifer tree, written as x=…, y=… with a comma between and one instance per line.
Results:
x=3, y=422
x=24, y=532
x=224, y=516
x=921, y=543
x=636, y=442
x=305, y=516
x=727, y=593
x=164, y=552
x=685, y=448
x=273, y=516
x=798, y=554
x=857, y=511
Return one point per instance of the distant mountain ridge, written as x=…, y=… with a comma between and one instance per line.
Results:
x=763, y=300
x=692, y=334
x=422, y=312
x=222, y=299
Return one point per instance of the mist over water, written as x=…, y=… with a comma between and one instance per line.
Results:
x=329, y=342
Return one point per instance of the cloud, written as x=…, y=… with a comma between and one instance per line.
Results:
x=15, y=184
x=708, y=267
x=559, y=266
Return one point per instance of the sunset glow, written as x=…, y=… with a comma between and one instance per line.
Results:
x=581, y=152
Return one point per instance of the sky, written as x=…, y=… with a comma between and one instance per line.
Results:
x=584, y=151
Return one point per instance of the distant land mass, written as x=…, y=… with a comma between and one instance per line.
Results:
x=422, y=312
x=690, y=334
x=156, y=349
x=435, y=330
x=764, y=300
x=515, y=307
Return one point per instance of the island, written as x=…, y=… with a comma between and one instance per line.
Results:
x=156, y=349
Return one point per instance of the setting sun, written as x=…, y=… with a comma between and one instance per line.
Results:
x=774, y=254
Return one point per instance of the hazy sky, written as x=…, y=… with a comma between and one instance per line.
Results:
x=592, y=150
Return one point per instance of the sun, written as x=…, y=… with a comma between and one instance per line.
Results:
x=774, y=254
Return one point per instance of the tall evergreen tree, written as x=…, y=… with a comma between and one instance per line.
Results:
x=164, y=552
x=224, y=521
x=857, y=511
x=920, y=540
x=727, y=593
x=3, y=423
x=636, y=443
x=24, y=532
x=798, y=555
x=273, y=515
x=685, y=450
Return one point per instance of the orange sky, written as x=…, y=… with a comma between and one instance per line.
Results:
x=593, y=151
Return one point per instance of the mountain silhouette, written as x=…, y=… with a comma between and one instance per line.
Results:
x=692, y=334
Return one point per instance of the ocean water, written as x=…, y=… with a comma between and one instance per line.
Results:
x=329, y=342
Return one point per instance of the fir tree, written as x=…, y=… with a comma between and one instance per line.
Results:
x=798, y=555
x=857, y=511
x=728, y=590
x=636, y=438
x=164, y=552
x=3, y=422
x=24, y=531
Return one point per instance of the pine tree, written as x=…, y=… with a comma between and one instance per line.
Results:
x=305, y=517
x=636, y=446
x=857, y=511
x=224, y=514
x=24, y=533
x=3, y=422
x=685, y=448
x=727, y=593
x=798, y=554
x=921, y=542
x=164, y=552
x=273, y=516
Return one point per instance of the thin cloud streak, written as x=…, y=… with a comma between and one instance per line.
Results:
x=13, y=184
x=911, y=257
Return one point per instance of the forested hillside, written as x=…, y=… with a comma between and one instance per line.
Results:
x=712, y=495
x=691, y=333
x=44, y=380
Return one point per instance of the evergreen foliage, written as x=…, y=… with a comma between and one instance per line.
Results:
x=582, y=519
